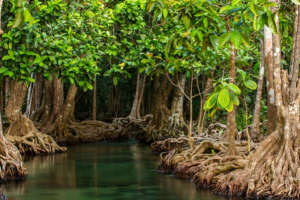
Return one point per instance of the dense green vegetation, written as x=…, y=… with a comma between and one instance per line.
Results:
x=218, y=71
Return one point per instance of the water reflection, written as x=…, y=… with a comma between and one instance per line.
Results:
x=101, y=171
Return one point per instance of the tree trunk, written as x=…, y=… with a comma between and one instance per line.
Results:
x=22, y=131
x=255, y=128
x=231, y=123
x=161, y=94
x=57, y=102
x=17, y=97
x=270, y=83
x=139, y=93
x=7, y=89
x=176, y=120
x=94, y=99
x=208, y=88
x=47, y=101
x=273, y=169
x=38, y=91
x=58, y=128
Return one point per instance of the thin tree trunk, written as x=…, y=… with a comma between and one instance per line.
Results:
x=38, y=90
x=141, y=95
x=134, y=111
x=255, y=128
x=95, y=99
x=208, y=87
x=7, y=89
x=231, y=123
x=270, y=83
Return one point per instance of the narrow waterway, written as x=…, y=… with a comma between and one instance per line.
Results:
x=106, y=171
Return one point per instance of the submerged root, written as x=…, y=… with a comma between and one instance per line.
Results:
x=23, y=134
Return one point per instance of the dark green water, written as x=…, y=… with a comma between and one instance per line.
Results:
x=106, y=171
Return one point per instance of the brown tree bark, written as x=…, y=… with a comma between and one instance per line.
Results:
x=270, y=80
x=231, y=123
x=200, y=121
x=255, y=128
x=176, y=119
x=161, y=92
x=94, y=99
x=21, y=131
x=57, y=102
x=139, y=93
x=7, y=89
x=38, y=91
x=276, y=159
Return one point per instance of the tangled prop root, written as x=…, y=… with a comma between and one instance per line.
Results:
x=11, y=165
x=92, y=131
x=181, y=160
x=131, y=123
x=23, y=134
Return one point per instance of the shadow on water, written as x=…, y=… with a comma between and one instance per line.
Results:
x=106, y=171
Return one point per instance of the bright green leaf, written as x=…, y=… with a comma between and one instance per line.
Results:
x=212, y=100
x=224, y=98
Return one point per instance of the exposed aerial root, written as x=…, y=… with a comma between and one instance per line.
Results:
x=11, y=164
x=271, y=170
x=92, y=131
x=131, y=123
x=23, y=134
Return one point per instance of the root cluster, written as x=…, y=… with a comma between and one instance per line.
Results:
x=24, y=135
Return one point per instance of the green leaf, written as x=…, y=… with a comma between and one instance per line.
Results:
x=243, y=73
x=234, y=99
x=261, y=21
x=296, y=2
x=18, y=19
x=251, y=84
x=9, y=73
x=225, y=8
x=150, y=6
x=234, y=2
x=7, y=57
x=205, y=22
x=165, y=13
x=30, y=79
x=267, y=4
x=245, y=39
x=212, y=100
x=200, y=35
x=3, y=69
x=187, y=21
x=27, y=15
x=152, y=62
x=81, y=83
x=271, y=24
x=254, y=9
x=236, y=38
x=234, y=88
x=224, y=38
x=19, y=3
x=115, y=79
x=214, y=41
x=89, y=86
x=229, y=107
x=224, y=98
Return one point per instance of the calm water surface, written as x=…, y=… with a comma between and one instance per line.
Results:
x=106, y=171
